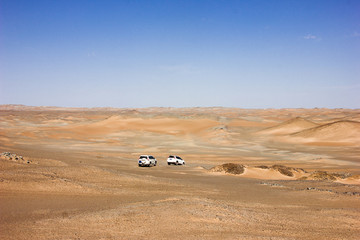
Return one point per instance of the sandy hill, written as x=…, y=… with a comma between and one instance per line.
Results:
x=113, y=124
x=340, y=131
x=291, y=126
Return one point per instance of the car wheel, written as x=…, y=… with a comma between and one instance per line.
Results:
x=155, y=164
x=177, y=163
x=168, y=163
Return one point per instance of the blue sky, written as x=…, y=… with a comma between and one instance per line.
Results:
x=247, y=54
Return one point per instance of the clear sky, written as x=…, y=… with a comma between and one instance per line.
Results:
x=247, y=54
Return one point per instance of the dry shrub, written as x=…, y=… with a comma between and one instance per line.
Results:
x=283, y=170
x=299, y=170
x=354, y=177
x=231, y=168
x=322, y=175
x=341, y=175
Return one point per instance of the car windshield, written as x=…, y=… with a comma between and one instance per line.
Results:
x=171, y=156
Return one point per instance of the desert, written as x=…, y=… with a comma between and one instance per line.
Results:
x=179, y=120
x=72, y=173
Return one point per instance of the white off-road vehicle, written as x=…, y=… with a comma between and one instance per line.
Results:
x=147, y=160
x=172, y=159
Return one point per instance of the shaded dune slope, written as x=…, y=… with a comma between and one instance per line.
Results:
x=340, y=131
x=291, y=126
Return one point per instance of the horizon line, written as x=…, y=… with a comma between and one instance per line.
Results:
x=14, y=106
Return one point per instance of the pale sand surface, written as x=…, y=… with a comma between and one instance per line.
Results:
x=82, y=180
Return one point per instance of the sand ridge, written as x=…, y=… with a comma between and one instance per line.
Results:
x=339, y=131
x=280, y=172
x=290, y=126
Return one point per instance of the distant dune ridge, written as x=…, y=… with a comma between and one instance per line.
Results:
x=202, y=123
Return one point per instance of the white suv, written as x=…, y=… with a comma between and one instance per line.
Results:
x=147, y=160
x=172, y=159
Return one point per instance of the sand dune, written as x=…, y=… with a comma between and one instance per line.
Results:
x=170, y=126
x=301, y=131
x=290, y=126
x=340, y=131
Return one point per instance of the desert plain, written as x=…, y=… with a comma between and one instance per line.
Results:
x=72, y=173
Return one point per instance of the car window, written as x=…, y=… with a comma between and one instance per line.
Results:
x=178, y=157
x=151, y=157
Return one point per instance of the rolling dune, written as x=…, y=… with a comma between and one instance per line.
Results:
x=340, y=131
x=290, y=126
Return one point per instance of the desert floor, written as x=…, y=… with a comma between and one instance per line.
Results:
x=79, y=178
